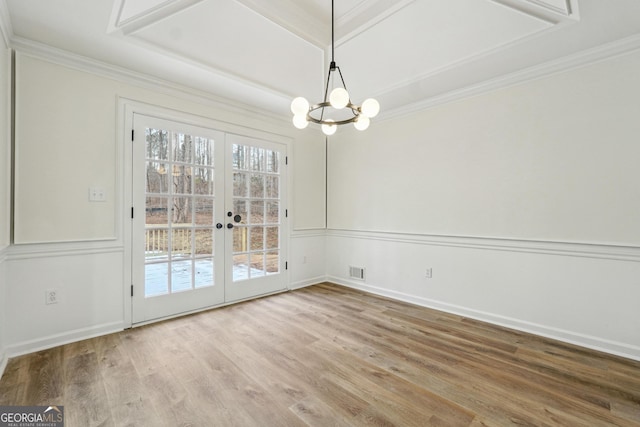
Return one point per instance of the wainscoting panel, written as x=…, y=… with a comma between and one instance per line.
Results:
x=307, y=258
x=3, y=310
x=582, y=294
x=88, y=280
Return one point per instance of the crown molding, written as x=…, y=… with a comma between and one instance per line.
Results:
x=581, y=59
x=5, y=24
x=568, y=6
x=293, y=17
x=534, y=9
x=364, y=16
x=544, y=9
x=466, y=60
x=143, y=19
x=313, y=25
x=121, y=74
x=124, y=75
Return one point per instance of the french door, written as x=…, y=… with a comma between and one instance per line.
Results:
x=207, y=218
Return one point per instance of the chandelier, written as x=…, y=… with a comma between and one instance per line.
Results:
x=337, y=109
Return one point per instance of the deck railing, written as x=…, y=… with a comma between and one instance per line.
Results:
x=157, y=239
x=184, y=240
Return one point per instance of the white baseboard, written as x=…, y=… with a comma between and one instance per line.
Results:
x=31, y=346
x=307, y=282
x=3, y=301
x=594, y=343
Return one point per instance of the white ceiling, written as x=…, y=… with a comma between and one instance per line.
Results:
x=263, y=53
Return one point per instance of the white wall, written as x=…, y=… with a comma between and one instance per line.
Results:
x=67, y=141
x=5, y=143
x=308, y=252
x=309, y=184
x=524, y=201
x=5, y=183
x=521, y=200
x=552, y=160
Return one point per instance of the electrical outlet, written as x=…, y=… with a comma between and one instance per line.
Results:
x=51, y=296
x=428, y=273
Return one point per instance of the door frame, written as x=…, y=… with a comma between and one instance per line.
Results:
x=126, y=108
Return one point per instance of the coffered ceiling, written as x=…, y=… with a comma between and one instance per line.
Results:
x=263, y=53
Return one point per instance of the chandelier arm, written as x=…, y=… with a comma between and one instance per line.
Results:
x=344, y=85
x=326, y=91
x=354, y=108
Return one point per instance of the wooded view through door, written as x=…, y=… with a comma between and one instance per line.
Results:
x=212, y=218
x=259, y=189
x=179, y=211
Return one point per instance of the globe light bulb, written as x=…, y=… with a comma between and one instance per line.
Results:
x=339, y=98
x=328, y=129
x=300, y=106
x=370, y=108
x=362, y=122
x=300, y=121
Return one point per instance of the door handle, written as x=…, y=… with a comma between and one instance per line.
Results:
x=229, y=226
x=218, y=226
x=237, y=218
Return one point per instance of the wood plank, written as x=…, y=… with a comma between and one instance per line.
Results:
x=86, y=404
x=14, y=380
x=315, y=412
x=505, y=362
x=47, y=381
x=324, y=356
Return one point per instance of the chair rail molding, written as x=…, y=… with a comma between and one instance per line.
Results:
x=575, y=249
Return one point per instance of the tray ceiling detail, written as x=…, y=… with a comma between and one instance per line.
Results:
x=384, y=44
x=264, y=53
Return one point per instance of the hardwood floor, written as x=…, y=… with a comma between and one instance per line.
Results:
x=326, y=356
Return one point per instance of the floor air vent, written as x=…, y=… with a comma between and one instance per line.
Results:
x=356, y=272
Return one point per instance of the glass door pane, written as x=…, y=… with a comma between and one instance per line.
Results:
x=257, y=177
x=255, y=252
x=181, y=243
x=179, y=212
x=209, y=218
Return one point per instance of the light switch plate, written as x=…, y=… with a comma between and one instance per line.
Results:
x=97, y=194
